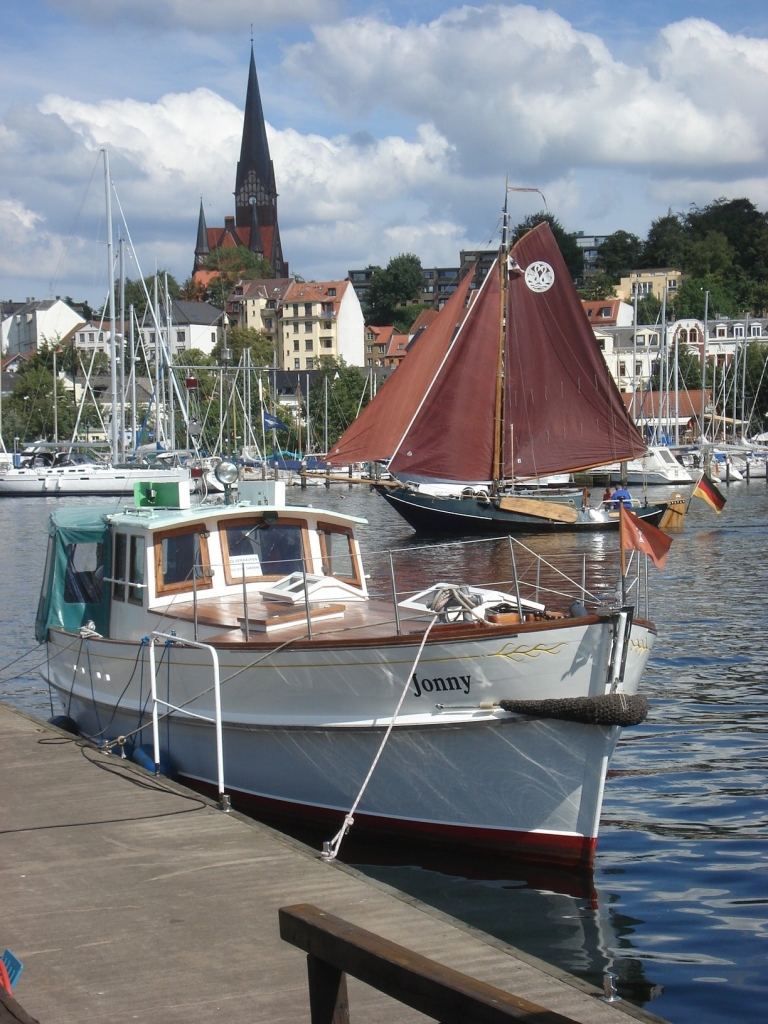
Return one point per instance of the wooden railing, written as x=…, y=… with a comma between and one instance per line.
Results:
x=336, y=948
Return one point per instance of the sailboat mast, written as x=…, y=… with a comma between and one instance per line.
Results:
x=498, y=410
x=112, y=326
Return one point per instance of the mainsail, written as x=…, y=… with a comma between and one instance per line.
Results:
x=562, y=409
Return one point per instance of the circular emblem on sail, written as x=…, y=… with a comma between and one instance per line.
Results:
x=539, y=276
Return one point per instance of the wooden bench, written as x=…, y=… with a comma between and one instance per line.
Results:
x=336, y=948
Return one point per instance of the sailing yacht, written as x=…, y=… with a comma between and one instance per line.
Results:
x=498, y=393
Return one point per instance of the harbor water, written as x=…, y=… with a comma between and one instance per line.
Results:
x=677, y=907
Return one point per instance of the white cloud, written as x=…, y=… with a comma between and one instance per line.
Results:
x=521, y=89
x=198, y=15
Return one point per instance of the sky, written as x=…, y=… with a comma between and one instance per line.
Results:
x=392, y=126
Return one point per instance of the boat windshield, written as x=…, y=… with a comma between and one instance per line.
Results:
x=262, y=549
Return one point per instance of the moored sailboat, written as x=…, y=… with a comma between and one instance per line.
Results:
x=499, y=392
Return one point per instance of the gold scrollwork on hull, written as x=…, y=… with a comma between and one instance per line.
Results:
x=519, y=652
x=637, y=646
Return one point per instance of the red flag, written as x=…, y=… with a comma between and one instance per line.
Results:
x=637, y=535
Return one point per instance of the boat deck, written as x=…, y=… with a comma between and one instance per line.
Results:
x=131, y=898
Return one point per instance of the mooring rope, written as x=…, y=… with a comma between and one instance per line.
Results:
x=331, y=849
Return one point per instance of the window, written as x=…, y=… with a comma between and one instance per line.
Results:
x=295, y=327
x=738, y=331
x=84, y=573
x=268, y=322
x=295, y=309
x=332, y=292
x=622, y=369
x=101, y=335
x=307, y=326
x=297, y=364
x=118, y=571
x=721, y=331
x=181, y=337
x=213, y=337
x=271, y=304
x=326, y=343
x=338, y=553
x=605, y=311
x=429, y=288
x=308, y=345
x=307, y=309
x=180, y=556
x=310, y=364
x=671, y=284
x=638, y=369
x=755, y=330
x=327, y=325
x=590, y=312
x=136, y=570
x=693, y=336
x=296, y=344
x=429, y=275
x=259, y=549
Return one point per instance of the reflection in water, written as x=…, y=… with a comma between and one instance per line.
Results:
x=677, y=905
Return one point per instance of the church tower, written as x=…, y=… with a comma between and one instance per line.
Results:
x=255, y=222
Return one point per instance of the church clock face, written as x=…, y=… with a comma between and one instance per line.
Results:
x=539, y=276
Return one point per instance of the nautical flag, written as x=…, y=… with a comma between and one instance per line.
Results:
x=637, y=535
x=273, y=423
x=707, y=491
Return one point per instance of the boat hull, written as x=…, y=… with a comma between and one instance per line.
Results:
x=471, y=778
x=63, y=481
x=432, y=514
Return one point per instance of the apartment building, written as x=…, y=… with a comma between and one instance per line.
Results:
x=320, y=318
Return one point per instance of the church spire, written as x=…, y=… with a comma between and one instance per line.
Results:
x=255, y=178
x=201, y=247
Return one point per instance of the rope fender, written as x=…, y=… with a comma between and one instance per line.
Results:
x=605, y=709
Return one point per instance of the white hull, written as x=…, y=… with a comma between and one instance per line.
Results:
x=60, y=481
x=301, y=729
x=657, y=467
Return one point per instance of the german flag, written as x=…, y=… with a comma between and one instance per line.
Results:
x=707, y=491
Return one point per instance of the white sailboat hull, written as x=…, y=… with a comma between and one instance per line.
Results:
x=60, y=481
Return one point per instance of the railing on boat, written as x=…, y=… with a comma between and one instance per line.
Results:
x=168, y=639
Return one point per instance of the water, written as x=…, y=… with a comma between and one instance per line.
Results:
x=678, y=903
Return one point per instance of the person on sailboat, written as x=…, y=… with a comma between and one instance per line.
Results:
x=621, y=494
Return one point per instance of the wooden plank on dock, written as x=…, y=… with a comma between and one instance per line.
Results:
x=131, y=898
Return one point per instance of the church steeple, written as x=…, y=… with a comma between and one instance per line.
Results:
x=201, y=247
x=255, y=177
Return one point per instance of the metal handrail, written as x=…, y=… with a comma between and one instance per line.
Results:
x=168, y=638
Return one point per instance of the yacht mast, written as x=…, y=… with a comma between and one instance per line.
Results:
x=112, y=339
x=498, y=411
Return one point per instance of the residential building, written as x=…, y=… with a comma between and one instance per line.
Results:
x=258, y=304
x=320, y=318
x=254, y=225
x=376, y=344
x=608, y=312
x=649, y=282
x=37, y=324
x=590, y=245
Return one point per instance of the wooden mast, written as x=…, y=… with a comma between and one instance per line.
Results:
x=498, y=410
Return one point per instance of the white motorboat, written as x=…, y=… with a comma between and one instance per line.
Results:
x=69, y=477
x=493, y=714
x=657, y=466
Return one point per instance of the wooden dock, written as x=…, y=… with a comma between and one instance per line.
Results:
x=130, y=898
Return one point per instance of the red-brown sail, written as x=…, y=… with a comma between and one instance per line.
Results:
x=560, y=398
x=562, y=411
x=379, y=428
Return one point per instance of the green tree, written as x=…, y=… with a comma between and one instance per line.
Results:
x=619, y=253
x=648, y=310
x=396, y=286
x=405, y=316
x=566, y=243
x=29, y=413
x=232, y=265
x=136, y=295
x=667, y=243
x=597, y=286
x=241, y=338
x=347, y=389
x=742, y=224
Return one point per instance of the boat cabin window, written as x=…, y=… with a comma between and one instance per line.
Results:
x=181, y=556
x=128, y=568
x=338, y=554
x=259, y=548
x=84, y=573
